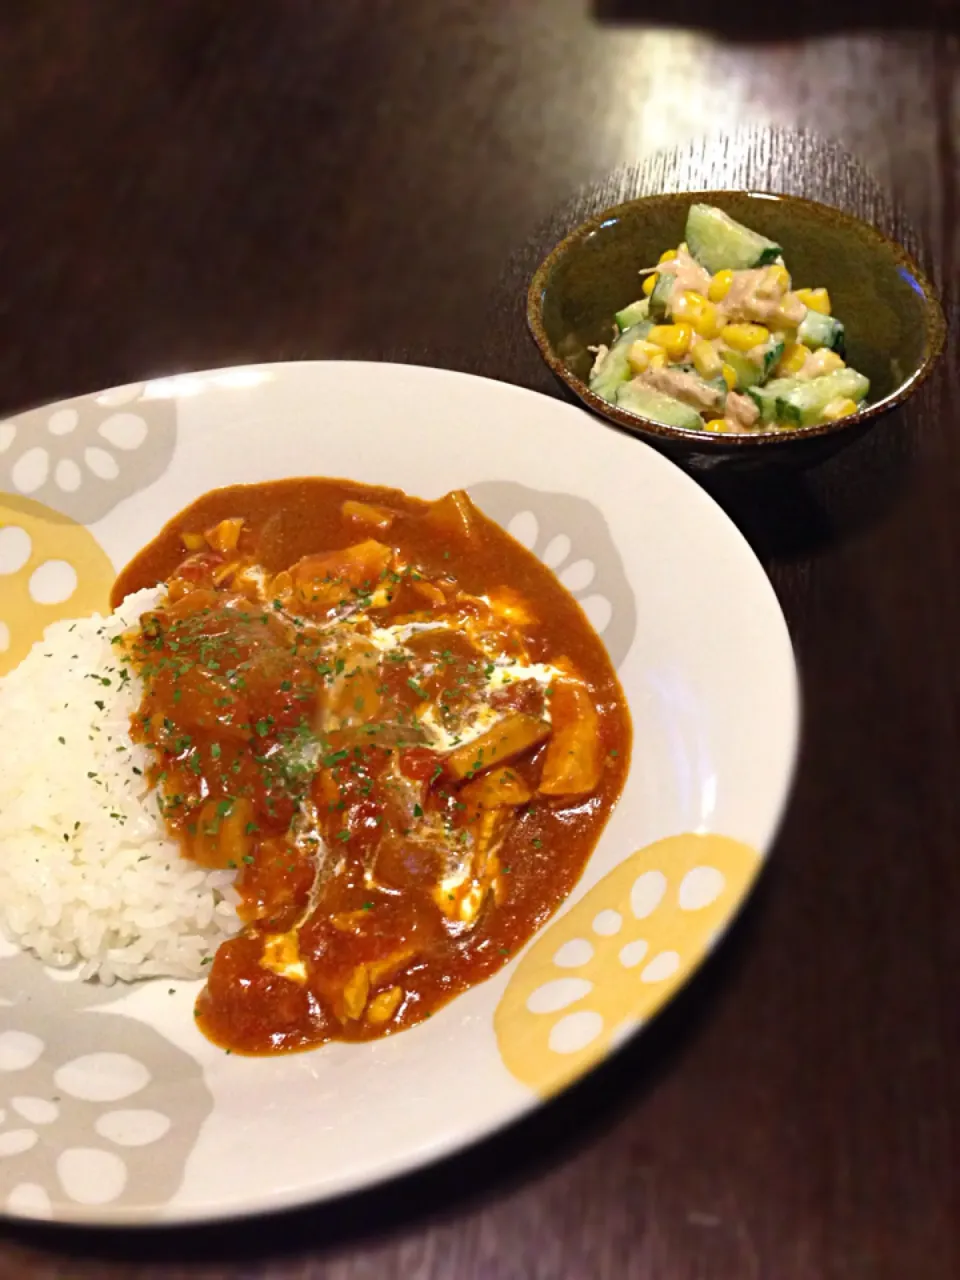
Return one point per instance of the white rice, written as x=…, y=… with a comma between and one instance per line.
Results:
x=88, y=875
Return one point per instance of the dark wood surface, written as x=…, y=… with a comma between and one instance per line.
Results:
x=190, y=183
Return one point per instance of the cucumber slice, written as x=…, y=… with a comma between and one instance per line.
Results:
x=660, y=298
x=800, y=402
x=613, y=369
x=818, y=330
x=749, y=373
x=636, y=398
x=772, y=355
x=718, y=242
x=633, y=314
x=765, y=397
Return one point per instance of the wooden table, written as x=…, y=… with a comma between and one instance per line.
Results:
x=192, y=183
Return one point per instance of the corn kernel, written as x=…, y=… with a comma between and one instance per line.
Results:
x=685, y=306
x=658, y=361
x=697, y=311
x=793, y=359
x=815, y=299
x=719, y=425
x=675, y=339
x=668, y=255
x=838, y=409
x=709, y=322
x=790, y=313
x=744, y=337
x=705, y=358
x=638, y=358
x=774, y=283
x=720, y=286
x=650, y=284
x=729, y=376
x=823, y=362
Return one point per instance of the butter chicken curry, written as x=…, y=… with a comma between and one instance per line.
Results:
x=393, y=723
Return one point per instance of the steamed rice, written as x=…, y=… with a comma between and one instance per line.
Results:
x=88, y=873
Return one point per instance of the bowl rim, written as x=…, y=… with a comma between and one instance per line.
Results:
x=934, y=322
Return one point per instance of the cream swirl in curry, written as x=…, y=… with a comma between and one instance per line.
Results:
x=393, y=723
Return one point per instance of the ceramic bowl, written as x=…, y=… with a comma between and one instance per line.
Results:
x=894, y=324
x=113, y=1107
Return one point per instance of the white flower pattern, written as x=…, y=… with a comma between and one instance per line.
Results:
x=589, y=567
x=87, y=454
x=85, y=1114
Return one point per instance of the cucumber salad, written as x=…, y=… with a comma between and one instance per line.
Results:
x=722, y=342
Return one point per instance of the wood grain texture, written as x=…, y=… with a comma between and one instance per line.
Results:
x=196, y=182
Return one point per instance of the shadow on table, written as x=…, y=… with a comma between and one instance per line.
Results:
x=789, y=514
x=756, y=20
x=489, y=1169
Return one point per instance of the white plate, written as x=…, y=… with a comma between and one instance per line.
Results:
x=114, y=1108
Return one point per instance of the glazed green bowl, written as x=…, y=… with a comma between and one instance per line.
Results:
x=894, y=324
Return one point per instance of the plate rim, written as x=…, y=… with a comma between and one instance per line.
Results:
x=403, y=1161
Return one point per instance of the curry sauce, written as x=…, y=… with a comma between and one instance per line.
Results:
x=396, y=727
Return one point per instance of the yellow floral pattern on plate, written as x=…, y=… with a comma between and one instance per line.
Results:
x=50, y=568
x=611, y=961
